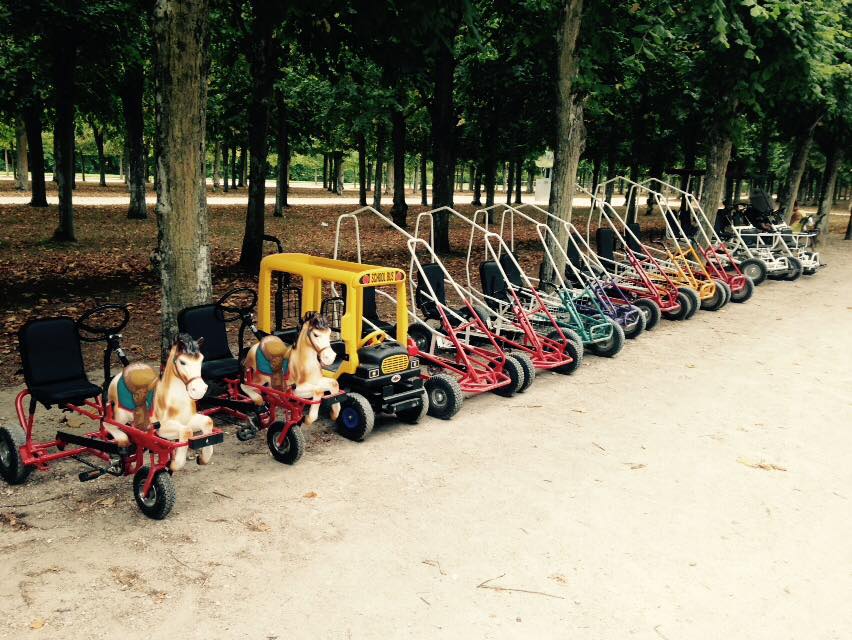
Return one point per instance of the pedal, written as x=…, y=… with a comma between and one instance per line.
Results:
x=91, y=474
x=247, y=433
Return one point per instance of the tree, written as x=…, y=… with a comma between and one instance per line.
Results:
x=180, y=33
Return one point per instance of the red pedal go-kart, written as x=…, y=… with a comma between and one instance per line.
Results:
x=55, y=376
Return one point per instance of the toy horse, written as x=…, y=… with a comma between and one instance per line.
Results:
x=169, y=399
x=312, y=352
x=268, y=361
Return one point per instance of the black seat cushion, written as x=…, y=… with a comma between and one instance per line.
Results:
x=605, y=239
x=206, y=321
x=493, y=284
x=435, y=277
x=219, y=369
x=512, y=271
x=634, y=239
x=52, y=361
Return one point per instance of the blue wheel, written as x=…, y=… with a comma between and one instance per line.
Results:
x=356, y=417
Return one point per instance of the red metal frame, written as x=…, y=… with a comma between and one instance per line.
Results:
x=714, y=256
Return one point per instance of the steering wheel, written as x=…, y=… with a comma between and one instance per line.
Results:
x=374, y=337
x=109, y=324
x=238, y=308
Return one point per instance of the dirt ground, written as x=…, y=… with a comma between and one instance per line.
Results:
x=698, y=486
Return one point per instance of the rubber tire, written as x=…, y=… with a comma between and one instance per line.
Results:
x=756, y=265
x=651, y=311
x=637, y=328
x=445, y=396
x=366, y=417
x=717, y=301
x=574, y=349
x=680, y=314
x=694, y=299
x=795, y=271
x=421, y=336
x=727, y=288
x=574, y=337
x=13, y=471
x=294, y=444
x=515, y=371
x=164, y=493
x=745, y=293
x=613, y=346
x=529, y=369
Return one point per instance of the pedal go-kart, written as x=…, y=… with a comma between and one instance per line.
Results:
x=246, y=391
x=373, y=367
x=55, y=375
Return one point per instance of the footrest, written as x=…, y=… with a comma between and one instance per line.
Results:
x=107, y=446
x=329, y=400
x=210, y=439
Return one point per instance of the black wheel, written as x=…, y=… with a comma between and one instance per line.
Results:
x=610, y=347
x=161, y=498
x=249, y=431
x=745, y=293
x=727, y=289
x=573, y=349
x=574, y=337
x=12, y=468
x=515, y=370
x=421, y=335
x=293, y=446
x=356, y=417
x=651, y=311
x=717, y=301
x=685, y=306
x=413, y=414
x=795, y=270
x=529, y=369
x=635, y=329
x=694, y=301
x=445, y=396
x=754, y=268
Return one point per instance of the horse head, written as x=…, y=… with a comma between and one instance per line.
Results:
x=317, y=331
x=185, y=360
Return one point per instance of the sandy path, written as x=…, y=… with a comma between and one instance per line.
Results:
x=623, y=493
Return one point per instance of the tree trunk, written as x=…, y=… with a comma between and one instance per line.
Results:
x=444, y=122
x=490, y=177
x=798, y=161
x=262, y=64
x=180, y=34
x=369, y=169
x=510, y=184
x=570, y=132
x=362, y=170
x=282, y=182
x=22, y=182
x=399, y=211
x=134, y=122
x=833, y=160
x=234, y=166
x=848, y=235
x=477, y=186
x=243, y=168
x=64, y=63
x=380, y=163
x=389, y=176
x=325, y=171
x=225, y=172
x=719, y=146
x=424, y=175
x=519, y=179
x=98, y=135
x=338, y=173
x=32, y=121
x=217, y=166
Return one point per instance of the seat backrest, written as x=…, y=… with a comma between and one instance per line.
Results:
x=634, y=239
x=761, y=202
x=370, y=310
x=493, y=284
x=605, y=239
x=206, y=321
x=574, y=255
x=512, y=270
x=423, y=297
x=50, y=351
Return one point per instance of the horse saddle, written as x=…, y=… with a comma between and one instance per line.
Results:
x=126, y=399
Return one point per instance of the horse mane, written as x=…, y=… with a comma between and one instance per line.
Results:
x=185, y=343
x=315, y=320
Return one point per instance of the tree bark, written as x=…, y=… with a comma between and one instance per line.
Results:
x=424, y=175
x=225, y=166
x=399, y=211
x=180, y=34
x=380, y=163
x=338, y=173
x=833, y=161
x=570, y=132
x=718, y=156
x=510, y=183
x=519, y=179
x=132, y=97
x=282, y=183
x=262, y=59
x=22, y=182
x=369, y=170
x=98, y=135
x=217, y=166
x=325, y=171
x=477, y=186
x=64, y=66
x=243, y=168
x=33, y=110
x=234, y=166
x=798, y=161
x=490, y=177
x=362, y=170
x=444, y=121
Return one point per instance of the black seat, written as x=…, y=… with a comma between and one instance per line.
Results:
x=371, y=313
x=423, y=297
x=512, y=270
x=634, y=239
x=206, y=321
x=605, y=239
x=493, y=284
x=53, y=365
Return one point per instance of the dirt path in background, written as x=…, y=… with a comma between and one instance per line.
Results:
x=698, y=486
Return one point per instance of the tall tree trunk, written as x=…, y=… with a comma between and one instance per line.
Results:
x=180, y=34
x=98, y=135
x=282, y=183
x=477, y=186
x=33, y=110
x=519, y=178
x=338, y=173
x=762, y=178
x=490, y=177
x=718, y=156
x=424, y=175
x=225, y=166
x=217, y=166
x=262, y=63
x=444, y=122
x=833, y=161
x=369, y=171
x=597, y=166
x=243, y=168
x=325, y=171
x=234, y=166
x=399, y=211
x=362, y=170
x=510, y=184
x=132, y=97
x=380, y=163
x=22, y=182
x=389, y=176
x=530, y=179
x=798, y=161
x=570, y=132
x=64, y=64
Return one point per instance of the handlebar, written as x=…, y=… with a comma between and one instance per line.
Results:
x=275, y=241
x=236, y=311
x=102, y=332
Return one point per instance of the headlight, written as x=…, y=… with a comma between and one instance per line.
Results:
x=373, y=373
x=414, y=363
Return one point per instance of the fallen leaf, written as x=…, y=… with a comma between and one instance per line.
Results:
x=310, y=494
x=38, y=623
x=766, y=466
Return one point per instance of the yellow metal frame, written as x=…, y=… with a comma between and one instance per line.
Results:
x=355, y=276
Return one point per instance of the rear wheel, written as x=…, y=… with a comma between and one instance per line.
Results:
x=683, y=309
x=515, y=371
x=727, y=289
x=413, y=414
x=445, y=396
x=717, y=300
x=795, y=270
x=356, y=417
x=754, y=268
x=746, y=292
x=421, y=335
x=161, y=497
x=12, y=467
x=529, y=369
x=293, y=447
x=651, y=311
x=573, y=349
x=612, y=345
x=694, y=301
x=635, y=328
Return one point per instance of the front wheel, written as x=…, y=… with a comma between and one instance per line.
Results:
x=610, y=347
x=161, y=497
x=794, y=272
x=515, y=371
x=291, y=449
x=635, y=329
x=356, y=418
x=529, y=369
x=573, y=349
x=694, y=301
x=743, y=294
x=754, y=268
x=716, y=301
x=12, y=467
x=683, y=308
x=445, y=396
x=651, y=311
